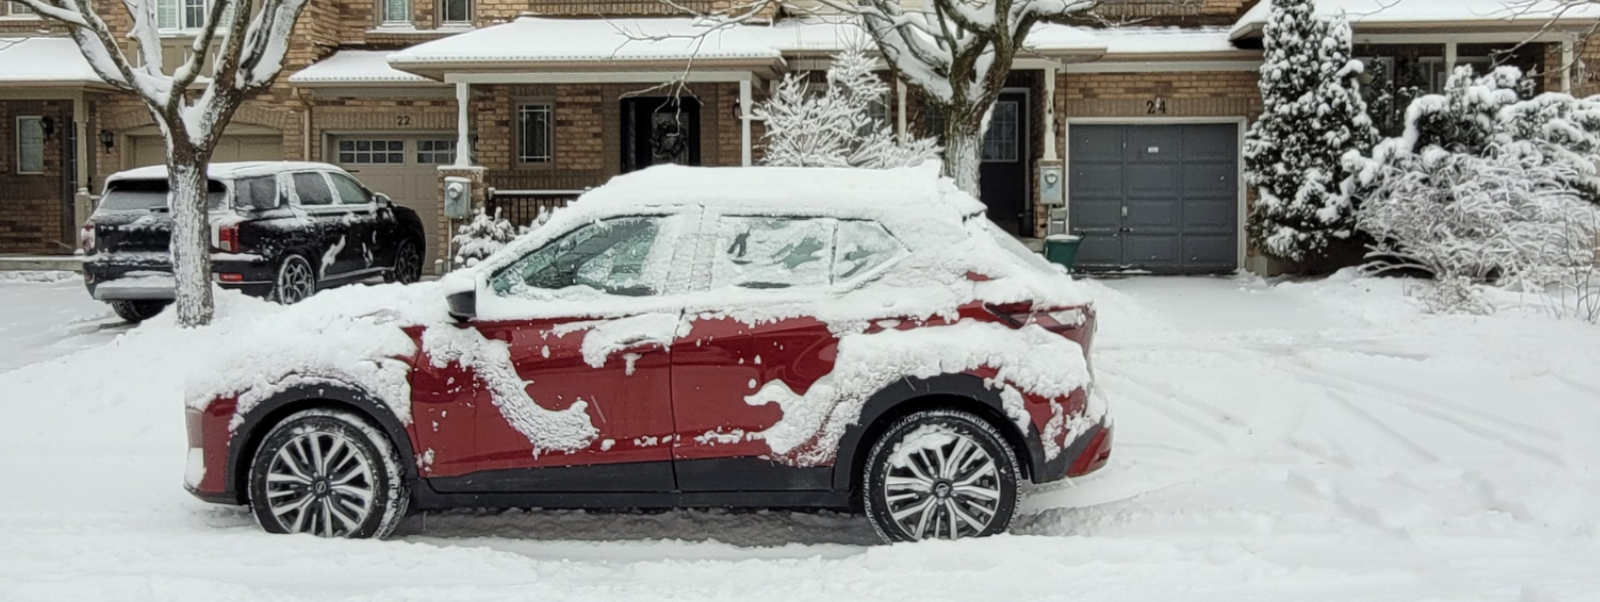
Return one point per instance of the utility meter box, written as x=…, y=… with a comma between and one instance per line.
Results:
x=457, y=198
x=1052, y=186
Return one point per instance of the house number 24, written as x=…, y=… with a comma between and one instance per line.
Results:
x=1155, y=105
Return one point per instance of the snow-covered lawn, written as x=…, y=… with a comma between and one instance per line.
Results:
x=1317, y=441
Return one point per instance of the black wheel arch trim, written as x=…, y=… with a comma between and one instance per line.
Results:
x=908, y=394
x=262, y=417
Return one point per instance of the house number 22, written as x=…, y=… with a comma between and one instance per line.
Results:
x=1155, y=105
x=402, y=120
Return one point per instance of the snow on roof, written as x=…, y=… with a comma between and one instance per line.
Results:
x=355, y=67
x=1165, y=40
x=784, y=189
x=226, y=171
x=1051, y=38
x=534, y=39
x=1530, y=13
x=830, y=35
x=44, y=60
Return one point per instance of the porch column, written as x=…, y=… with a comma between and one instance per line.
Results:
x=1050, y=142
x=1449, y=59
x=1566, y=65
x=900, y=108
x=744, y=121
x=80, y=122
x=463, y=129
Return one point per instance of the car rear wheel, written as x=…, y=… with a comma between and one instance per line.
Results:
x=296, y=281
x=138, y=311
x=407, y=263
x=940, y=474
x=328, y=473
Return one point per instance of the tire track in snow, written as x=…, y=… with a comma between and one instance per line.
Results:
x=1394, y=396
x=1365, y=416
x=1179, y=413
x=1444, y=403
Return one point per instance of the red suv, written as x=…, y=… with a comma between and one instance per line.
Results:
x=698, y=337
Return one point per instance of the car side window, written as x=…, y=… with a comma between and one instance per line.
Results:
x=862, y=246
x=772, y=252
x=350, y=193
x=620, y=256
x=256, y=193
x=312, y=189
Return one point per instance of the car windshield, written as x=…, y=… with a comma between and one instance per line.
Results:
x=980, y=224
x=149, y=195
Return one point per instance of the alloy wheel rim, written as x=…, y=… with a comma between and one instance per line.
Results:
x=408, y=266
x=319, y=483
x=947, y=489
x=294, y=283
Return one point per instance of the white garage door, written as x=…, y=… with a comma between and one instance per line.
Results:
x=150, y=150
x=403, y=166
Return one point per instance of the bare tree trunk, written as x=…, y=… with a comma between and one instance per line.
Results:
x=963, y=148
x=191, y=229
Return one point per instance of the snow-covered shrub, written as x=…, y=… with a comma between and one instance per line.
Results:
x=835, y=126
x=1505, y=216
x=1568, y=130
x=1312, y=114
x=482, y=237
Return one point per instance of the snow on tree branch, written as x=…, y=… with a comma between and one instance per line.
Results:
x=836, y=126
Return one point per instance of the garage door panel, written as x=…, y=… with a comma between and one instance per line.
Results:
x=1150, y=252
x=1209, y=181
x=152, y=150
x=1102, y=251
x=1210, y=216
x=1164, y=215
x=1098, y=215
x=1097, y=181
x=1154, y=181
x=1210, y=143
x=1154, y=145
x=1204, y=253
x=1096, y=144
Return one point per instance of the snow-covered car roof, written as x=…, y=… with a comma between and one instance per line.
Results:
x=227, y=171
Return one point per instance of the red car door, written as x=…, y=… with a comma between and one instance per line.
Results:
x=557, y=403
x=726, y=371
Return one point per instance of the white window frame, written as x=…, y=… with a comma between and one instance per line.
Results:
x=435, y=148
x=549, y=156
x=471, y=9
x=383, y=14
x=20, y=149
x=181, y=14
x=18, y=11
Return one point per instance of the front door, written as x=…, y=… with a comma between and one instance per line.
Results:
x=560, y=400
x=1004, y=174
x=660, y=130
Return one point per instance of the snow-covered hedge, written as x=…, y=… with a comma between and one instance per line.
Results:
x=483, y=236
x=1483, y=188
x=835, y=126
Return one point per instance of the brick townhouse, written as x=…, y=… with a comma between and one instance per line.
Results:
x=1129, y=135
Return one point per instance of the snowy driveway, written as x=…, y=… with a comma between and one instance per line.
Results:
x=1300, y=442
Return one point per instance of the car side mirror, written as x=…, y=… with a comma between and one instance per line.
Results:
x=463, y=305
x=383, y=199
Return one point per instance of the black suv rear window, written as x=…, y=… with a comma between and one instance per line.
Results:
x=147, y=195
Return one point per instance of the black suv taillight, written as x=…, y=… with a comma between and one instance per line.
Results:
x=86, y=239
x=228, y=238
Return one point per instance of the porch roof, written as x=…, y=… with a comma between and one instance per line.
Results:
x=826, y=36
x=1457, y=16
x=45, y=62
x=639, y=45
x=361, y=67
x=1137, y=43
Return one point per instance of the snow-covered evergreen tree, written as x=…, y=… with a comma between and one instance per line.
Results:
x=835, y=126
x=1312, y=115
x=482, y=237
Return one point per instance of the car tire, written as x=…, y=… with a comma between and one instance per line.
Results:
x=138, y=311
x=329, y=473
x=943, y=474
x=295, y=280
x=407, y=263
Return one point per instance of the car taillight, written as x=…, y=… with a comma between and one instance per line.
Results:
x=86, y=239
x=228, y=238
x=229, y=277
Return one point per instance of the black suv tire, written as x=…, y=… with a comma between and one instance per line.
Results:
x=138, y=311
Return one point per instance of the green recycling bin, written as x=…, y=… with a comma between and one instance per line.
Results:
x=1062, y=249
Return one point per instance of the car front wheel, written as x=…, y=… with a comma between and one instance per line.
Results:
x=296, y=281
x=940, y=474
x=328, y=473
x=138, y=311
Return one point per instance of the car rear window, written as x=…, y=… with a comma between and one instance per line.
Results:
x=148, y=195
x=256, y=193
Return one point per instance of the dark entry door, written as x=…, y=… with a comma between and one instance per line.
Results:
x=1004, y=174
x=660, y=130
x=1158, y=198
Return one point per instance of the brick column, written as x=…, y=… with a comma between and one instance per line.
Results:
x=447, y=226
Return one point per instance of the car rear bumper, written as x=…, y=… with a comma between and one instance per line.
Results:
x=111, y=279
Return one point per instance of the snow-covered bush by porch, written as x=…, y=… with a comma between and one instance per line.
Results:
x=481, y=237
x=835, y=126
x=1312, y=114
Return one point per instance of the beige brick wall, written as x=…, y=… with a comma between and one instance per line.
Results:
x=1183, y=94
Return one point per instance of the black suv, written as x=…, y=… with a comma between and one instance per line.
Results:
x=278, y=229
